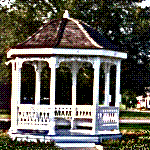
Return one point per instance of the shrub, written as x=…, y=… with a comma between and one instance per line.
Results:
x=7, y=143
x=129, y=142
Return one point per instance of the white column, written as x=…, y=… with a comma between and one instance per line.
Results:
x=74, y=71
x=18, y=67
x=107, y=84
x=38, y=83
x=52, y=65
x=15, y=93
x=96, y=67
x=118, y=95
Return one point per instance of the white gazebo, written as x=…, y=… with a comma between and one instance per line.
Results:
x=71, y=44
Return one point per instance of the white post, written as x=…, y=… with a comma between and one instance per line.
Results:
x=118, y=95
x=107, y=84
x=18, y=67
x=52, y=65
x=96, y=67
x=74, y=71
x=15, y=93
x=38, y=83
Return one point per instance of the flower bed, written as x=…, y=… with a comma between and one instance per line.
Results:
x=130, y=140
x=7, y=143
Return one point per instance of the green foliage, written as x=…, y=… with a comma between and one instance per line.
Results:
x=15, y=27
x=129, y=98
x=122, y=107
x=129, y=141
x=122, y=22
x=7, y=143
x=5, y=111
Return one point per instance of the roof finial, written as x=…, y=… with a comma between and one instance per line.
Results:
x=66, y=14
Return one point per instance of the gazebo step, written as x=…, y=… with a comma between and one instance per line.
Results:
x=62, y=138
x=75, y=145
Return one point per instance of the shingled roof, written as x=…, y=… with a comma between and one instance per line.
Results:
x=67, y=33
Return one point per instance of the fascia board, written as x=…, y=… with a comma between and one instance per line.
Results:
x=59, y=51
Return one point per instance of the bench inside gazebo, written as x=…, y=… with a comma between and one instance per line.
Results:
x=65, y=84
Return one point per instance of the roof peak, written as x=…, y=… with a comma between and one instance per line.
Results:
x=66, y=14
x=67, y=33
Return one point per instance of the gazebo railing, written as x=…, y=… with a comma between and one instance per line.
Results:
x=84, y=111
x=40, y=116
x=108, y=118
x=34, y=117
x=81, y=111
x=64, y=111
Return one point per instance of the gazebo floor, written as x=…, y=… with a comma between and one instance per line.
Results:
x=63, y=137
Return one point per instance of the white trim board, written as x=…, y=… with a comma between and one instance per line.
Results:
x=60, y=51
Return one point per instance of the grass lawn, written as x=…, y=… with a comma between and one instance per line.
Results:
x=136, y=127
x=4, y=111
x=134, y=115
x=4, y=116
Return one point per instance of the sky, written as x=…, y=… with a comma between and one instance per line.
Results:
x=8, y=2
x=144, y=3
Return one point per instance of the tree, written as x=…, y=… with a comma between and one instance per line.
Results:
x=122, y=22
x=15, y=27
x=129, y=98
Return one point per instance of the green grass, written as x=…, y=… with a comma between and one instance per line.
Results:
x=134, y=115
x=5, y=116
x=134, y=127
x=5, y=111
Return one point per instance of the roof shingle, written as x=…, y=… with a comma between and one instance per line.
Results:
x=67, y=33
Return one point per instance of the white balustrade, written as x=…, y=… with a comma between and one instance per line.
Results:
x=39, y=116
x=84, y=111
x=34, y=116
x=63, y=111
x=108, y=116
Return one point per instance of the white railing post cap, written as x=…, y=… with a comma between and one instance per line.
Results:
x=66, y=14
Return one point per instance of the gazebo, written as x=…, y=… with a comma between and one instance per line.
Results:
x=48, y=90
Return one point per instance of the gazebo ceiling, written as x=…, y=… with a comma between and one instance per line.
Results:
x=67, y=33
